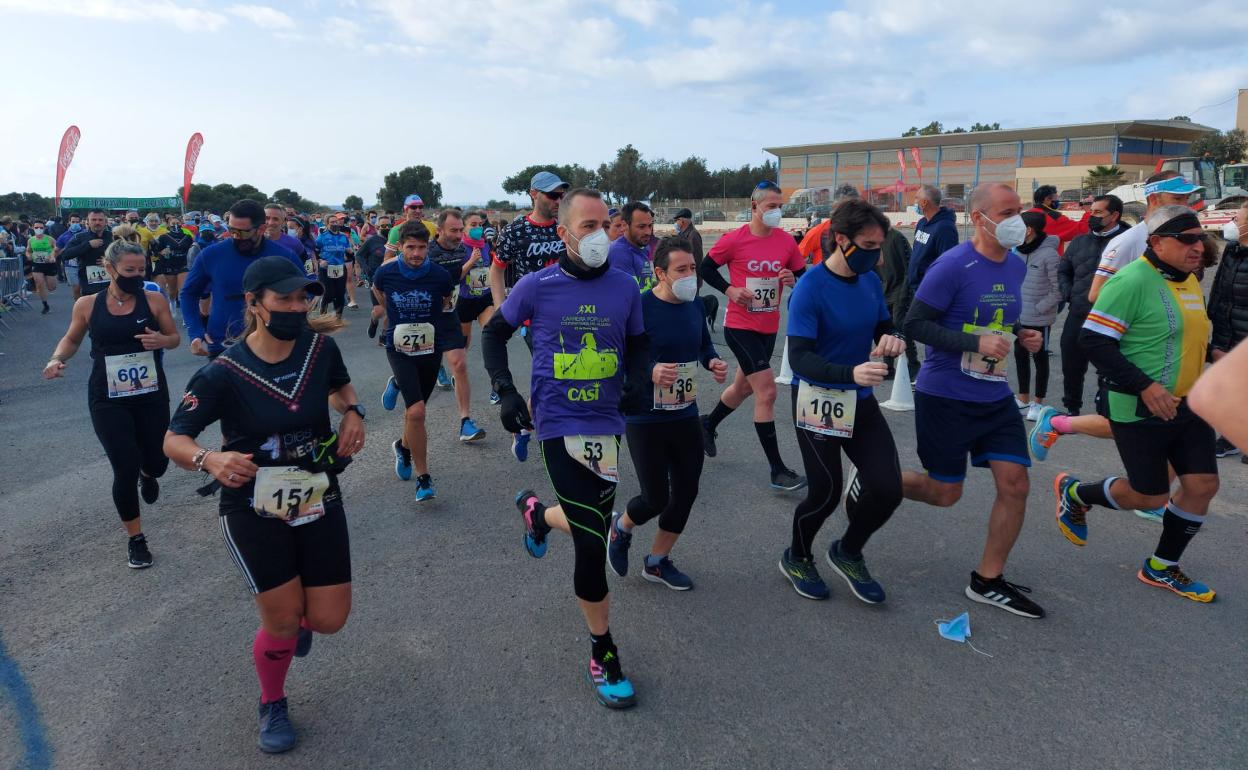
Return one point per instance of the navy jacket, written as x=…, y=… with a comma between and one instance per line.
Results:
x=932, y=237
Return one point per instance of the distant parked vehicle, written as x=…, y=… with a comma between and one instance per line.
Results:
x=743, y=216
x=953, y=204
x=709, y=215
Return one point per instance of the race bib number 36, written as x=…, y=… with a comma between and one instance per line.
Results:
x=131, y=374
x=601, y=454
x=680, y=394
x=764, y=294
x=827, y=411
x=975, y=364
x=290, y=494
x=414, y=339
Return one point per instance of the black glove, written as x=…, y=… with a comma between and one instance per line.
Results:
x=513, y=411
x=633, y=398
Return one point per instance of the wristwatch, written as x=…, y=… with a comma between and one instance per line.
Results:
x=358, y=409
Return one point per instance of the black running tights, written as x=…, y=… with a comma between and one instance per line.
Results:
x=133, y=437
x=668, y=459
x=587, y=500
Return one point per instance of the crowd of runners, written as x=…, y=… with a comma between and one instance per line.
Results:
x=617, y=333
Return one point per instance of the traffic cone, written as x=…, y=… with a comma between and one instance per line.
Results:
x=902, y=399
x=786, y=371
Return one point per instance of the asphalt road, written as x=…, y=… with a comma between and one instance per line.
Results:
x=462, y=651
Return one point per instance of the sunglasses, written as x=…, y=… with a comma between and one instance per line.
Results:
x=554, y=195
x=1187, y=239
x=767, y=185
x=238, y=233
x=415, y=208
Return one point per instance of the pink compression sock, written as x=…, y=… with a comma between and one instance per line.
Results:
x=1061, y=423
x=272, y=657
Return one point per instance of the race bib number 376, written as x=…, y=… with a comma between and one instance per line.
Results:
x=764, y=294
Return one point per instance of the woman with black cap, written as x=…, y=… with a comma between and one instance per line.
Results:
x=281, y=507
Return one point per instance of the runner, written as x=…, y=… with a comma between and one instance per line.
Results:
x=281, y=506
x=414, y=291
x=86, y=249
x=1040, y=298
x=218, y=271
x=762, y=259
x=1148, y=332
x=588, y=332
x=276, y=229
x=526, y=245
x=966, y=312
x=370, y=256
x=150, y=230
x=413, y=211
x=665, y=438
x=1165, y=188
x=332, y=246
x=41, y=252
x=170, y=251
x=449, y=252
x=618, y=226
x=631, y=252
x=839, y=332
x=475, y=301
x=127, y=393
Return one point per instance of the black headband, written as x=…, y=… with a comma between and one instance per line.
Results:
x=1185, y=221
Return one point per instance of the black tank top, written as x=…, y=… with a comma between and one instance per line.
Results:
x=113, y=335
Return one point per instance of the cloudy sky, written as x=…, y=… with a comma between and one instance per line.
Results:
x=327, y=96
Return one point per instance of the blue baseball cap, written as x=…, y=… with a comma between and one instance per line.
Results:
x=1175, y=184
x=544, y=181
x=413, y=200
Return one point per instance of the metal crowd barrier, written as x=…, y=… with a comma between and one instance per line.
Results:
x=13, y=293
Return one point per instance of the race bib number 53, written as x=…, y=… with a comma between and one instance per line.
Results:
x=290, y=494
x=600, y=454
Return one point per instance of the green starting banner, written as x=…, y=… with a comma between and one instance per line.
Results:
x=108, y=204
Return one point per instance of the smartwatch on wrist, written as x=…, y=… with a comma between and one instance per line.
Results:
x=357, y=408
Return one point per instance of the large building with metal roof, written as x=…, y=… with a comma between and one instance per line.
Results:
x=1023, y=157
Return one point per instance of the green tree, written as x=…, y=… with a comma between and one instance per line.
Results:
x=1182, y=117
x=496, y=205
x=288, y=197
x=353, y=203
x=413, y=179
x=1222, y=148
x=574, y=174
x=1103, y=178
x=985, y=126
x=627, y=178
x=688, y=179
x=32, y=204
x=931, y=129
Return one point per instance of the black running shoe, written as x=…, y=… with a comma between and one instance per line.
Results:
x=1224, y=448
x=303, y=645
x=1002, y=594
x=787, y=480
x=372, y=328
x=708, y=438
x=149, y=487
x=277, y=734
x=140, y=557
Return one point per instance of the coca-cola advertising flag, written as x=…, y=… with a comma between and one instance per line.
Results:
x=918, y=159
x=65, y=156
x=188, y=169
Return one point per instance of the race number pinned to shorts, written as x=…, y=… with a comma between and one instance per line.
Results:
x=764, y=295
x=981, y=367
x=290, y=494
x=414, y=339
x=130, y=374
x=827, y=411
x=40, y=257
x=96, y=274
x=335, y=271
x=309, y=266
x=601, y=454
x=680, y=394
x=478, y=281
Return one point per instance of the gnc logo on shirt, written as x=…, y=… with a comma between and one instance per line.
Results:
x=758, y=266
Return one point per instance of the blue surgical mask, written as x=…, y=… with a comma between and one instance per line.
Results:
x=75, y=227
x=917, y=210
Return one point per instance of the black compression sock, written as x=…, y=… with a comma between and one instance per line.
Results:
x=767, y=437
x=1178, y=527
x=1096, y=493
x=601, y=645
x=718, y=414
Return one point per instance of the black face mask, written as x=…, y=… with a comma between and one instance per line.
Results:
x=861, y=261
x=286, y=325
x=130, y=284
x=384, y=229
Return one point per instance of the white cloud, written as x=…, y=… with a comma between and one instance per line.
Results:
x=165, y=11
x=645, y=12
x=262, y=16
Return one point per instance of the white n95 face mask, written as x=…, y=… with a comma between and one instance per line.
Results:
x=1230, y=231
x=593, y=248
x=1010, y=232
x=772, y=217
x=685, y=288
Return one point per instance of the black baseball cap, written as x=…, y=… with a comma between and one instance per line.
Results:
x=683, y=214
x=278, y=274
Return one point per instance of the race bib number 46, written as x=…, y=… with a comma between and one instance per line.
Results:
x=478, y=281
x=680, y=394
x=600, y=454
x=981, y=367
x=130, y=374
x=414, y=339
x=764, y=294
x=290, y=494
x=827, y=411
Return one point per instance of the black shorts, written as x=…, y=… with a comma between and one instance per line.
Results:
x=269, y=552
x=470, y=308
x=1186, y=443
x=45, y=268
x=415, y=375
x=948, y=430
x=169, y=266
x=752, y=349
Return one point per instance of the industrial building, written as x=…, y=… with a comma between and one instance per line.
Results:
x=1023, y=157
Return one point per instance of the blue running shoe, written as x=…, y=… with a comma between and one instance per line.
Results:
x=804, y=577
x=277, y=734
x=1072, y=518
x=1153, y=514
x=665, y=572
x=520, y=446
x=402, y=460
x=444, y=380
x=855, y=573
x=1172, y=578
x=611, y=687
x=304, y=643
x=424, y=488
x=1042, y=436
x=534, y=535
x=494, y=399
x=390, y=396
x=617, y=546
x=468, y=431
